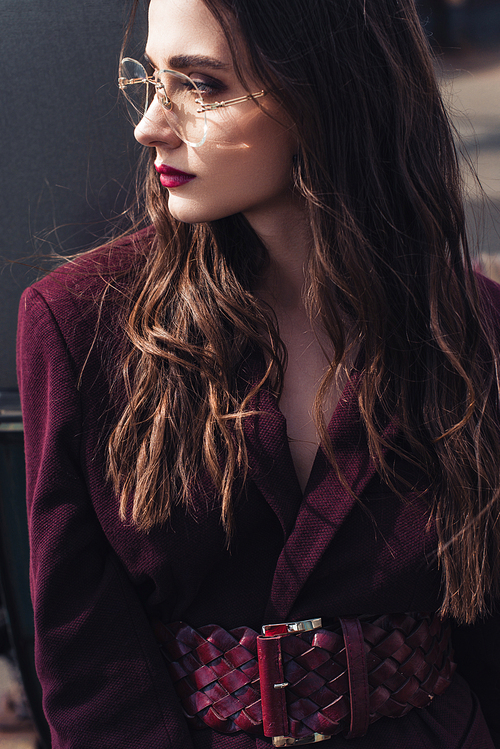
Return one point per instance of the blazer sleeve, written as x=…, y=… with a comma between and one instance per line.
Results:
x=103, y=680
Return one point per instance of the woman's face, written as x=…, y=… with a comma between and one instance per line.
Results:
x=245, y=165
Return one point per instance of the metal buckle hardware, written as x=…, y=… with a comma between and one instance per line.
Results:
x=314, y=738
x=285, y=628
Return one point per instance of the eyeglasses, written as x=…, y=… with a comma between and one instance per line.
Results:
x=181, y=98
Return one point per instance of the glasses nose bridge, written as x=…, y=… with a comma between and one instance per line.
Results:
x=161, y=94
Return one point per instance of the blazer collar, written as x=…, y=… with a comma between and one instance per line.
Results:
x=270, y=462
x=312, y=520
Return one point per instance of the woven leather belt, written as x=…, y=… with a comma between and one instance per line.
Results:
x=301, y=683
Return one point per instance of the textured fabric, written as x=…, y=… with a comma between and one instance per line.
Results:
x=326, y=680
x=96, y=581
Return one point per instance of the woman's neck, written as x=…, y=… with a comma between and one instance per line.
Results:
x=287, y=237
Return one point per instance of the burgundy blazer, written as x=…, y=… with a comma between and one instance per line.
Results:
x=96, y=580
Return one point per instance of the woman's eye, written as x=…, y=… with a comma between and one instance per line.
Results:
x=208, y=87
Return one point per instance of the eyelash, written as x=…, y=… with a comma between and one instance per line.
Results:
x=209, y=88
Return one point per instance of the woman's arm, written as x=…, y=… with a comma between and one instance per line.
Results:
x=103, y=679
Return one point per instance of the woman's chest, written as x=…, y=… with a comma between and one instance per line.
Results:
x=307, y=365
x=332, y=550
x=370, y=555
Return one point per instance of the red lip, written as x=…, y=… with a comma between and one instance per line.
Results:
x=170, y=177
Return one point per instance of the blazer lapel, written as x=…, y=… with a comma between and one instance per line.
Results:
x=326, y=504
x=270, y=463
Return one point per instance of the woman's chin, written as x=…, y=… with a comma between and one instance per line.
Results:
x=192, y=212
x=186, y=211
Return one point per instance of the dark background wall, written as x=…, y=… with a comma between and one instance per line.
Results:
x=66, y=147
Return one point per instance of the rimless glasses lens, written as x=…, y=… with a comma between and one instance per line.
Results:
x=178, y=95
x=184, y=103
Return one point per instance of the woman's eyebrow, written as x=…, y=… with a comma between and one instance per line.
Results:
x=180, y=62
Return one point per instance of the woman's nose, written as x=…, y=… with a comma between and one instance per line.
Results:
x=154, y=128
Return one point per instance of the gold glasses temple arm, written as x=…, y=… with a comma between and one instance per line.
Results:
x=122, y=82
x=229, y=102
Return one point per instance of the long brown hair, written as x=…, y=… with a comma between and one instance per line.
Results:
x=378, y=170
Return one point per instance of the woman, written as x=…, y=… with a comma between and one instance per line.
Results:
x=305, y=281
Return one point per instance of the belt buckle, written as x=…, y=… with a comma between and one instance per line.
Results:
x=284, y=628
x=314, y=738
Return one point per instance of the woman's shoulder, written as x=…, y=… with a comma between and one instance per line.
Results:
x=84, y=280
x=79, y=305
